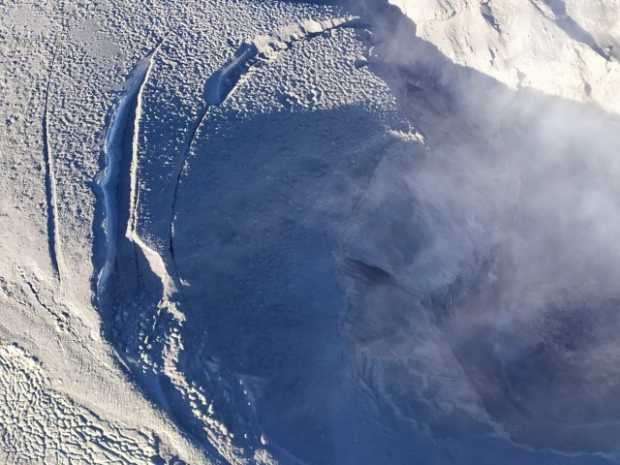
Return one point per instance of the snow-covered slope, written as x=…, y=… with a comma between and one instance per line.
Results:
x=248, y=232
x=566, y=48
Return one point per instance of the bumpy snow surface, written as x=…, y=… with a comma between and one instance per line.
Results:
x=325, y=233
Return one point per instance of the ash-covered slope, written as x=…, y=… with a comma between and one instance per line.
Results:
x=295, y=232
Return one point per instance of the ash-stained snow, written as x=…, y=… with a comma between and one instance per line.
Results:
x=247, y=232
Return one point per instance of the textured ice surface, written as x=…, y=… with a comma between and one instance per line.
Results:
x=255, y=232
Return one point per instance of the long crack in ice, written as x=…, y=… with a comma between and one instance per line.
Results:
x=265, y=48
x=109, y=178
